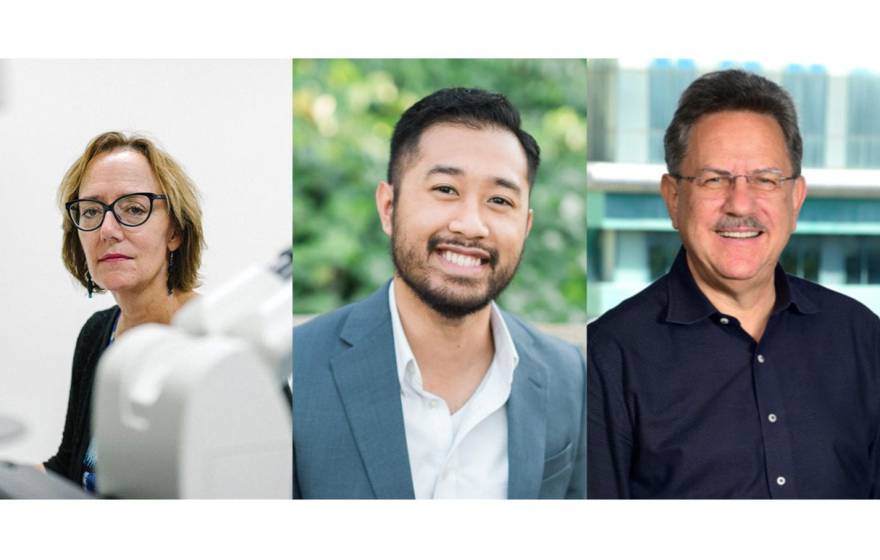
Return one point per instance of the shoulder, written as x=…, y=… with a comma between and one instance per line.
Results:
x=561, y=356
x=834, y=306
x=92, y=340
x=362, y=314
x=320, y=336
x=647, y=306
x=323, y=327
x=543, y=342
x=636, y=324
x=98, y=324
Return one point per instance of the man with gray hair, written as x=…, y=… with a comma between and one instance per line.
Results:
x=728, y=378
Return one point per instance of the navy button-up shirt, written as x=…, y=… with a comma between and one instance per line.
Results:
x=683, y=403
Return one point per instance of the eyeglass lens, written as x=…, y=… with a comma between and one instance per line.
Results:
x=130, y=210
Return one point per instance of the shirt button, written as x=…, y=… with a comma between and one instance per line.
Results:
x=780, y=481
x=724, y=320
x=434, y=403
x=760, y=358
x=772, y=418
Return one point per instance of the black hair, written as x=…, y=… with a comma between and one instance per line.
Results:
x=471, y=107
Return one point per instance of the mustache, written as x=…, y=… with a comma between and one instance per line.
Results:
x=730, y=222
x=436, y=240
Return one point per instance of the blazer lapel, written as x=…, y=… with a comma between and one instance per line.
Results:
x=526, y=419
x=366, y=378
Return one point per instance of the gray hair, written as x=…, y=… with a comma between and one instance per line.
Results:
x=731, y=90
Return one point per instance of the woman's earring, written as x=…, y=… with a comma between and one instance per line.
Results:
x=90, y=286
x=170, y=264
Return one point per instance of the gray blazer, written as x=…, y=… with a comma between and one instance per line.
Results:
x=348, y=431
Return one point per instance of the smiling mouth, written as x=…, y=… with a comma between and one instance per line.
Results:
x=464, y=257
x=461, y=260
x=740, y=234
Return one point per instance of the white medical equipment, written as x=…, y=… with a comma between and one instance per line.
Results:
x=200, y=408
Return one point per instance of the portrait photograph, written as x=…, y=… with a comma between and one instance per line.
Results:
x=439, y=278
x=135, y=188
x=733, y=279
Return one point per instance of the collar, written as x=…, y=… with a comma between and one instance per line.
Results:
x=687, y=304
x=505, y=360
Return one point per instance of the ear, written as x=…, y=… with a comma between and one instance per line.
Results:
x=669, y=191
x=799, y=195
x=174, y=239
x=385, y=206
x=529, y=221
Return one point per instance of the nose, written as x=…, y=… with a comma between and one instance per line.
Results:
x=739, y=199
x=110, y=229
x=468, y=220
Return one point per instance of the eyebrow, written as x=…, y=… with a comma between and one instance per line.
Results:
x=457, y=172
x=501, y=182
x=88, y=198
x=104, y=200
x=444, y=170
x=752, y=172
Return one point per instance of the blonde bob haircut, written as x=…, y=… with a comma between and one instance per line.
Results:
x=183, y=205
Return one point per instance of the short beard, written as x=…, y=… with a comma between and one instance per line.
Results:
x=440, y=299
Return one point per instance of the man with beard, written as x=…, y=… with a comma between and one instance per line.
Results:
x=728, y=378
x=426, y=389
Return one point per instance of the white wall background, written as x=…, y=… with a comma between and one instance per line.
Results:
x=228, y=123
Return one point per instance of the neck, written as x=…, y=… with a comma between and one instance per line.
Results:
x=751, y=302
x=146, y=306
x=453, y=354
x=424, y=326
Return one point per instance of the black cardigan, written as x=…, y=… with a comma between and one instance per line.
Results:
x=91, y=343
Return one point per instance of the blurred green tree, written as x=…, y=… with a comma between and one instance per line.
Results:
x=344, y=112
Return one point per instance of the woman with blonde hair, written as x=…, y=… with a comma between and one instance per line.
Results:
x=133, y=227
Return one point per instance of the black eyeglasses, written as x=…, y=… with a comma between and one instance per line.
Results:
x=131, y=210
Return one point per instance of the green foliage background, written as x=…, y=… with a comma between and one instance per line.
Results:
x=344, y=113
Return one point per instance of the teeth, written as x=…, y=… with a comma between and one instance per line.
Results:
x=460, y=260
x=739, y=234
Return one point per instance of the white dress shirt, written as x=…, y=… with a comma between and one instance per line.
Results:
x=461, y=455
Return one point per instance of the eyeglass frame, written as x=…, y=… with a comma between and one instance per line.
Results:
x=751, y=179
x=111, y=208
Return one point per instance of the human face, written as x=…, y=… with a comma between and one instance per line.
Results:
x=126, y=259
x=461, y=217
x=734, y=238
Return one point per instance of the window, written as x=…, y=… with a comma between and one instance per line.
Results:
x=862, y=260
x=752, y=67
x=803, y=257
x=863, y=120
x=600, y=143
x=808, y=87
x=667, y=79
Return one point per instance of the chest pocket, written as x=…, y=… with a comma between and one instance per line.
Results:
x=558, y=463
